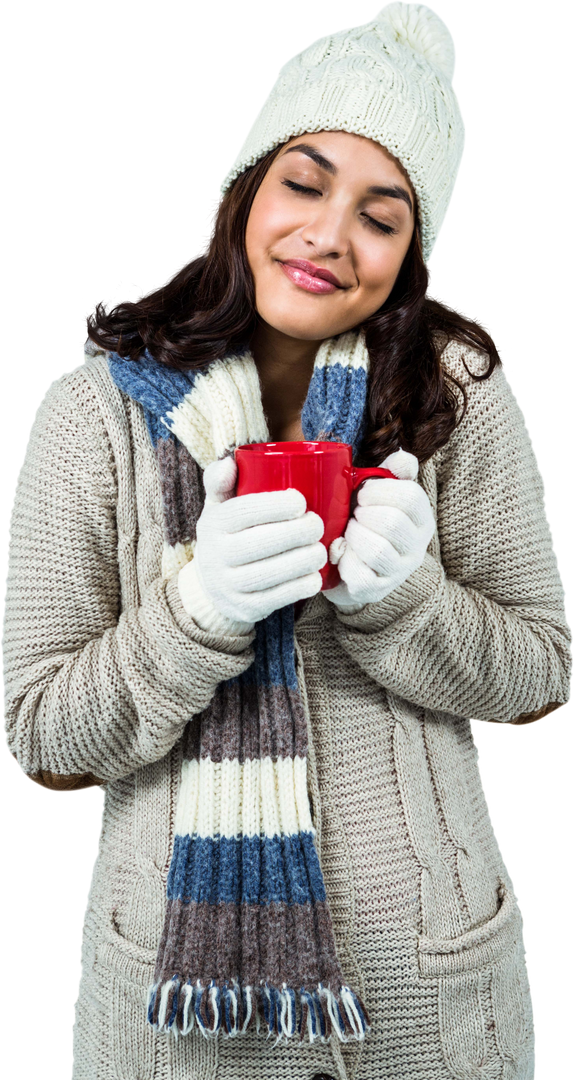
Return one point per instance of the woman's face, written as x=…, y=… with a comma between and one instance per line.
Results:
x=354, y=217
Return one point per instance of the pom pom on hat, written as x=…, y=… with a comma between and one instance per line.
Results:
x=418, y=27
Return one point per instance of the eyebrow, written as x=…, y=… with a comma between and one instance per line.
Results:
x=395, y=191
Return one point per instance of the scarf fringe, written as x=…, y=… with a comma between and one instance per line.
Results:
x=231, y=1010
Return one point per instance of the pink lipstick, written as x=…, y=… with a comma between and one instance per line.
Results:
x=310, y=277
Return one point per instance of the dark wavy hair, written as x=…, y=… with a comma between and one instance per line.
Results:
x=207, y=311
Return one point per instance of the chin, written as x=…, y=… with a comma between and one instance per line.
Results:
x=306, y=332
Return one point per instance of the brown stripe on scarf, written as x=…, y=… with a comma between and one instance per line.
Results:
x=272, y=723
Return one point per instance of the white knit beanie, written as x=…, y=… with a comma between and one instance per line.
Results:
x=389, y=80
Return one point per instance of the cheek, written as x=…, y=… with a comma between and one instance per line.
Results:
x=380, y=266
x=268, y=223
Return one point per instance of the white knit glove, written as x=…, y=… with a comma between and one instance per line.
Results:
x=386, y=538
x=254, y=553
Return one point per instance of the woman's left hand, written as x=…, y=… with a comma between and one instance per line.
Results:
x=386, y=538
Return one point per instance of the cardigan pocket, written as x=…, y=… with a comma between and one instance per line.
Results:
x=481, y=1013
x=126, y=970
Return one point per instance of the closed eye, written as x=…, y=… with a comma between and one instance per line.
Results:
x=379, y=225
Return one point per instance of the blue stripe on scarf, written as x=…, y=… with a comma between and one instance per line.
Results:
x=336, y=395
x=247, y=870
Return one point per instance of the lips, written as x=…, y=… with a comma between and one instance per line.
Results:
x=313, y=271
x=305, y=281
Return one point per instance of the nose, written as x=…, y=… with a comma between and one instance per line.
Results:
x=327, y=232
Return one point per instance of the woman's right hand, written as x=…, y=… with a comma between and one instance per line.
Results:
x=254, y=553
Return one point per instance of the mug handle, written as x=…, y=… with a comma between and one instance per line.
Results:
x=359, y=474
x=358, y=477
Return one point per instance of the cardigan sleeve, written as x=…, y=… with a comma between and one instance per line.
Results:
x=481, y=631
x=92, y=693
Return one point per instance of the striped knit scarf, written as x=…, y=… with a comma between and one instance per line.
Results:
x=248, y=937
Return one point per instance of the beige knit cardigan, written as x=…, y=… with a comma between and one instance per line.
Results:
x=103, y=669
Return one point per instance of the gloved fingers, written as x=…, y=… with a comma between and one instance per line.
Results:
x=406, y=495
x=362, y=582
x=336, y=549
x=287, y=592
x=260, y=507
x=403, y=464
x=261, y=541
x=265, y=574
x=392, y=523
x=219, y=479
x=374, y=550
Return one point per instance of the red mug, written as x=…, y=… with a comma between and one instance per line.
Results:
x=322, y=471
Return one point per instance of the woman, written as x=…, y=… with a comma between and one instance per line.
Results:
x=295, y=838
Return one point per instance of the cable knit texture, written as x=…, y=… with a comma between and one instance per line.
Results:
x=103, y=668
